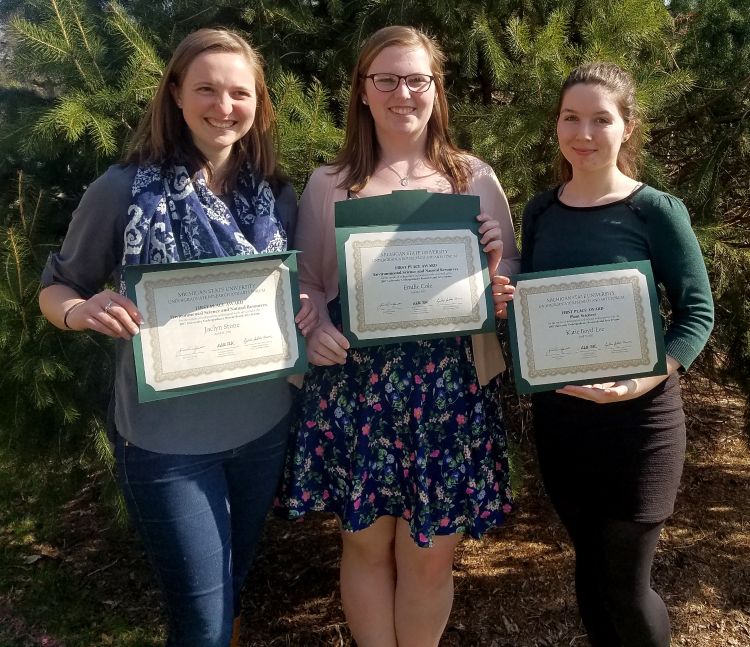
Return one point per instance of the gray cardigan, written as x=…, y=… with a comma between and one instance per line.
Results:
x=201, y=423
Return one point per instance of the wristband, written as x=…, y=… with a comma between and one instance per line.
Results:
x=68, y=311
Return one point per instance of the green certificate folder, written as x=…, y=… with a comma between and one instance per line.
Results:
x=585, y=325
x=215, y=323
x=411, y=267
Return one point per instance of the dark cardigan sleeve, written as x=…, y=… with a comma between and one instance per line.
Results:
x=678, y=265
x=92, y=248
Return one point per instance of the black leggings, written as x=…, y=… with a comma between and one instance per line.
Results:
x=613, y=581
x=615, y=461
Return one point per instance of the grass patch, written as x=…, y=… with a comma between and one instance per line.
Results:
x=63, y=558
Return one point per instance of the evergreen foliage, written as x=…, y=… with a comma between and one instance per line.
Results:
x=100, y=70
x=514, y=128
x=51, y=385
x=308, y=134
x=704, y=147
x=82, y=71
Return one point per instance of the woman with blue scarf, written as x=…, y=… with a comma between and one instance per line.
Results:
x=198, y=472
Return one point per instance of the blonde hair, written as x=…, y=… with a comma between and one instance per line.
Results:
x=163, y=136
x=359, y=155
x=622, y=87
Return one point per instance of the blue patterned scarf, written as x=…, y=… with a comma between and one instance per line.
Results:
x=173, y=217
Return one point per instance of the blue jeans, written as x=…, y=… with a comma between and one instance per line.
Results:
x=200, y=517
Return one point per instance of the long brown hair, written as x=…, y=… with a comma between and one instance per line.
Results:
x=163, y=136
x=622, y=87
x=360, y=153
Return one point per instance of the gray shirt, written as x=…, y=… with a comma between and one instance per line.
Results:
x=201, y=423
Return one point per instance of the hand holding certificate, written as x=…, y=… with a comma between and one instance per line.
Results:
x=585, y=325
x=215, y=323
x=414, y=270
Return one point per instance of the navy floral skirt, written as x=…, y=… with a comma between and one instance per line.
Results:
x=402, y=430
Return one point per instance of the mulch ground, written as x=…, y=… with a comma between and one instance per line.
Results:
x=513, y=588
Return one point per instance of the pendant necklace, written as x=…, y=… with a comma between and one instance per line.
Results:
x=403, y=180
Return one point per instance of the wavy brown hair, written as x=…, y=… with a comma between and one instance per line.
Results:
x=622, y=87
x=360, y=154
x=163, y=136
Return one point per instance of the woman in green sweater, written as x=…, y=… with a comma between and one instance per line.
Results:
x=611, y=454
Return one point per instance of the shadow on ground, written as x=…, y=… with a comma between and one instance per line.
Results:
x=514, y=588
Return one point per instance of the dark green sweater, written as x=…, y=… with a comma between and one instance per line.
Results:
x=648, y=225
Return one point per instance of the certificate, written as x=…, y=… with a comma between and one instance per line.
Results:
x=214, y=323
x=585, y=325
x=411, y=267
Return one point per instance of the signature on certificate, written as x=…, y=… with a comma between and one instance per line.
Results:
x=618, y=345
x=258, y=339
x=189, y=351
x=557, y=351
x=389, y=306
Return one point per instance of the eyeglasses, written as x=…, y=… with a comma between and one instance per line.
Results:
x=389, y=82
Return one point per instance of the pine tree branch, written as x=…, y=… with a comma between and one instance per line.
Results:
x=659, y=133
x=30, y=32
x=103, y=129
x=497, y=63
x=737, y=117
x=66, y=37
x=37, y=207
x=85, y=39
x=16, y=249
x=124, y=25
x=19, y=197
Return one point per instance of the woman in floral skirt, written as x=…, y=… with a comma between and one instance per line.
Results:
x=404, y=442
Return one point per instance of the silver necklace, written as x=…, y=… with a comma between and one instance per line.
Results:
x=403, y=180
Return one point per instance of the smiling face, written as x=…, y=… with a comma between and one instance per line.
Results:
x=590, y=128
x=400, y=114
x=218, y=100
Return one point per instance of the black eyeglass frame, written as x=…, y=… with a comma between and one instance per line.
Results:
x=404, y=77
